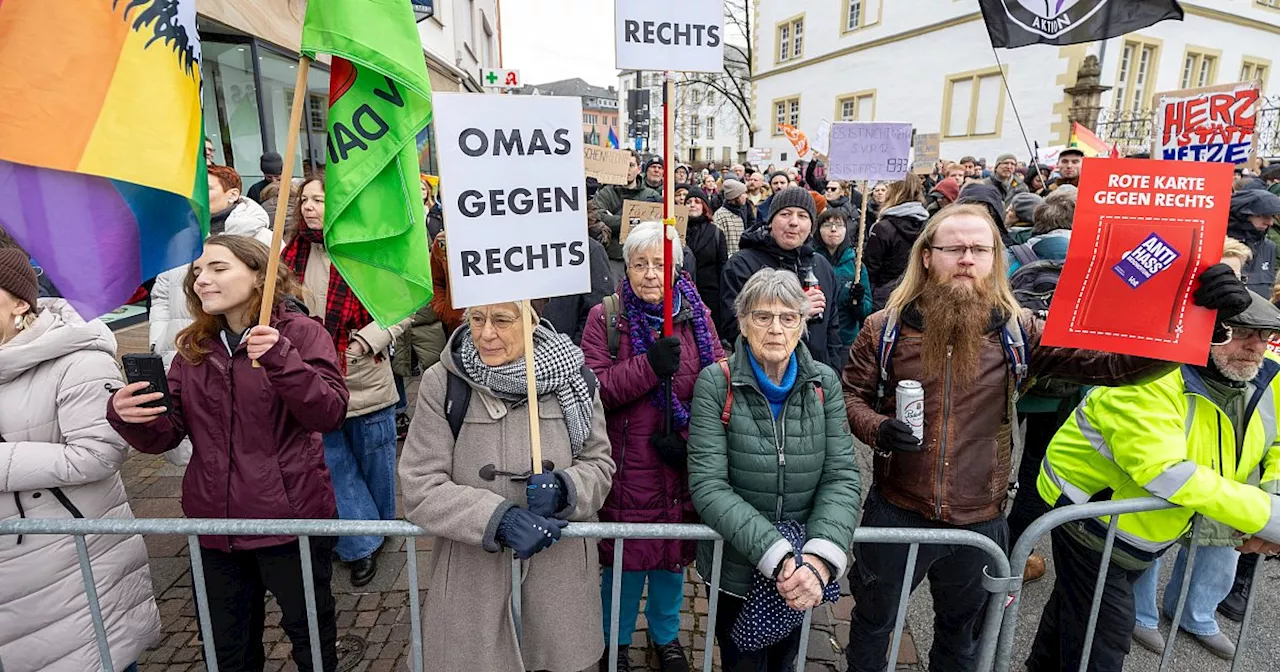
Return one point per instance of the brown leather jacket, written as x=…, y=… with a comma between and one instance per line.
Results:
x=961, y=476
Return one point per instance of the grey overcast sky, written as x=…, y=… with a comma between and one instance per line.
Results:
x=549, y=40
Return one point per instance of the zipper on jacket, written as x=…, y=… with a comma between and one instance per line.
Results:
x=782, y=458
x=1221, y=468
x=942, y=443
x=231, y=399
x=623, y=452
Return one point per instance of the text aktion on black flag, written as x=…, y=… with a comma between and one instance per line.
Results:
x=1017, y=23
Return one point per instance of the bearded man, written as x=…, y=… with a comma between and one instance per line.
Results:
x=954, y=326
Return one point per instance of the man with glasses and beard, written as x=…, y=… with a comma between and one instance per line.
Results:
x=954, y=326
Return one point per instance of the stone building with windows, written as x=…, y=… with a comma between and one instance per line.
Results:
x=929, y=62
x=599, y=106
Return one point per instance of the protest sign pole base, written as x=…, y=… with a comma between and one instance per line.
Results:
x=531, y=384
x=277, y=232
x=862, y=235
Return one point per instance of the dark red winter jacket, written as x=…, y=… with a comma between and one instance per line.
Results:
x=256, y=433
x=645, y=490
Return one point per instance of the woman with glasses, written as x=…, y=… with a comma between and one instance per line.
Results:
x=771, y=468
x=466, y=478
x=852, y=296
x=842, y=198
x=624, y=345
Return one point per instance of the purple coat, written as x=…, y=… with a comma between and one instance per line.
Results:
x=256, y=433
x=645, y=490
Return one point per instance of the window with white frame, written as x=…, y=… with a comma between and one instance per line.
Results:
x=711, y=128
x=975, y=104
x=790, y=40
x=856, y=107
x=853, y=16
x=786, y=111
x=1138, y=62
x=1199, y=69
x=695, y=96
x=1254, y=70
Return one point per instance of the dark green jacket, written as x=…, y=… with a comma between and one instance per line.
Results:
x=742, y=482
x=608, y=205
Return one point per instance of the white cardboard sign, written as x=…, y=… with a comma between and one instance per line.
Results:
x=516, y=220
x=677, y=35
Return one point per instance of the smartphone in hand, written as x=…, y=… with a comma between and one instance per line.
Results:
x=149, y=368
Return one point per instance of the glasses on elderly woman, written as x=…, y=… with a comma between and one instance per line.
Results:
x=790, y=319
x=500, y=322
x=643, y=268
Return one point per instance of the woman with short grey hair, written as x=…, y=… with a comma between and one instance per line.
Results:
x=788, y=521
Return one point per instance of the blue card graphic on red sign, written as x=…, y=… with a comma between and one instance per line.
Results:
x=1146, y=260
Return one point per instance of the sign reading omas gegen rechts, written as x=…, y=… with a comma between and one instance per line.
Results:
x=516, y=216
x=677, y=35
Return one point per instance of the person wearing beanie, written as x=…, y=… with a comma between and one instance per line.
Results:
x=710, y=248
x=654, y=178
x=56, y=376
x=272, y=165
x=944, y=193
x=1019, y=217
x=733, y=215
x=778, y=181
x=786, y=243
x=1004, y=179
x=1069, y=162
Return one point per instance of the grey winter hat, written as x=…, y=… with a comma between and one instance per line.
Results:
x=792, y=197
x=733, y=189
x=1259, y=315
x=1024, y=206
x=1005, y=157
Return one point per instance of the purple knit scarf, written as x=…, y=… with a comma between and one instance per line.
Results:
x=638, y=312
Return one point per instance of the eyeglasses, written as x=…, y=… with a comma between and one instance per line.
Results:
x=1243, y=334
x=958, y=251
x=500, y=322
x=837, y=224
x=762, y=318
x=642, y=268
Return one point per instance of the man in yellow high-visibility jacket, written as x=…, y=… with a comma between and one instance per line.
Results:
x=1193, y=437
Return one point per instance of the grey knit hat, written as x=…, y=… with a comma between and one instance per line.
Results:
x=791, y=197
x=733, y=189
x=1024, y=206
x=1005, y=157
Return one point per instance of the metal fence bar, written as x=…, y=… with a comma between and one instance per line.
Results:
x=908, y=575
x=713, y=604
x=309, y=596
x=415, y=617
x=1167, y=655
x=517, y=594
x=202, y=603
x=1248, y=614
x=615, y=609
x=95, y=609
x=1099, y=585
x=805, y=626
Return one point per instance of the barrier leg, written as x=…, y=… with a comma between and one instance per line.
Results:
x=515, y=597
x=1167, y=655
x=805, y=626
x=616, y=608
x=309, y=596
x=713, y=603
x=95, y=609
x=908, y=574
x=415, y=616
x=1098, y=587
x=1248, y=614
x=202, y=603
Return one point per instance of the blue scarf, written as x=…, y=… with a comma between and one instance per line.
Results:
x=776, y=395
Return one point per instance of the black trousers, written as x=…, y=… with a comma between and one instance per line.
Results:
x=780, y=657
x=1028, y=505
x=237, y=585
x=955, y=580
x=1059, y=642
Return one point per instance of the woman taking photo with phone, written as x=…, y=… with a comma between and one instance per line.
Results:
x=258, y=451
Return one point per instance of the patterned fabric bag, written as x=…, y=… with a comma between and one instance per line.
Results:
x=766, y=619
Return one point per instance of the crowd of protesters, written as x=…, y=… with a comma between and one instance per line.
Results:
x=795, y=319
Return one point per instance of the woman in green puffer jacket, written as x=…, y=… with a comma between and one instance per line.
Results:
x=784, y=453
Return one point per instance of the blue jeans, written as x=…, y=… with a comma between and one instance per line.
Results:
x=132, y=668
x=1211, y=581
x=362, y=463
x=666, y=595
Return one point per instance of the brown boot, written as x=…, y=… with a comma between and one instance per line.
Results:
x=1034, y=570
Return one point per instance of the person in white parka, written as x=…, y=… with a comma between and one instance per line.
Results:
x=231, y=214
x=59, y=458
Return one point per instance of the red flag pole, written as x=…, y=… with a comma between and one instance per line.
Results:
x=668, y=201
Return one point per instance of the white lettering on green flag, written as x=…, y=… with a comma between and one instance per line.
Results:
x=379, y=100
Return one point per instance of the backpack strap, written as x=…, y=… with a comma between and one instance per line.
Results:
x=1024, y=254
x=612, y=306
x=728, y=397
x=884, y=354
x=457, y=397
x=1014, y=339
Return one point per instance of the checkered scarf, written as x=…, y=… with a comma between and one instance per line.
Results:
x=343, y=312
x=557, y=370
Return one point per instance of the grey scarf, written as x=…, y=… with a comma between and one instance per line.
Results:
x=557, y=370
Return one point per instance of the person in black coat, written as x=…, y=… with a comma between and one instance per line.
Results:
x=889, y=245
x=988, y=196
x=568, y=314
x=786, y=243
x=710, y=251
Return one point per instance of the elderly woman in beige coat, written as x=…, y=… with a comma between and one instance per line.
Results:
x=466, y=479
x=60, y=459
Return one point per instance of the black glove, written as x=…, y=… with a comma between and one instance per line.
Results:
x=857, y=291
x=546, y=493
x=895, y=435
x=1222, y=290
x=672, y=450
x=527, y=533
x=664, y=356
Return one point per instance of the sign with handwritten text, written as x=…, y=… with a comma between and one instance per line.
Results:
x=869, y=150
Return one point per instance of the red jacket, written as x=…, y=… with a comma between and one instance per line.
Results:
x=256, y=433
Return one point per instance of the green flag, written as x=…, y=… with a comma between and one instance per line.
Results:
x=379, y=100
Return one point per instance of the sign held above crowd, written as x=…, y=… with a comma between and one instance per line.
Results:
x=1213, y=123
x=516, y=227
x=869, y=150
x=681, y=36
x=608, y=166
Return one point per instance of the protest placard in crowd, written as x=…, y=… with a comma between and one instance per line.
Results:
x=927, y=148
x=1143, y=232
x=1214, y=123
x=636, y=212
x=679, y=36
x=515, y=223
x=608, y=166
x=869, y=150
x=822, y=139
x=758, y=155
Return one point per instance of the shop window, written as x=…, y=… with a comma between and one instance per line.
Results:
x=231, y=106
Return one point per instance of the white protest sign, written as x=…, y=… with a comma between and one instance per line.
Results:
x=822, y=140
x=677, y=35
x=869, y=150
x=516, y=222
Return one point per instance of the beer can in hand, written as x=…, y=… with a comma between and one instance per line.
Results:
x=911, y=406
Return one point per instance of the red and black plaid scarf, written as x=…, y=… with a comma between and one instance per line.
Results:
x=343, y=312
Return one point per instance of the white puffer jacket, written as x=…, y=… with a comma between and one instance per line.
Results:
x=53, y=379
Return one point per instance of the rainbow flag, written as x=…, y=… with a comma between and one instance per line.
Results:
x=613, y=138
x=1084, y=140
x=102, y=173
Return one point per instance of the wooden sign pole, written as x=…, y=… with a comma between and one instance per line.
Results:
x=862, y=235
x=531, y=382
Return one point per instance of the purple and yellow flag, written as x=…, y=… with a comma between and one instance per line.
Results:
x=102, y=173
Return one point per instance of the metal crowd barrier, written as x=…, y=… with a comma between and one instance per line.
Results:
x=997, y=584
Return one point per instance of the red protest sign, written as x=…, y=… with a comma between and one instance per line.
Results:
x=1143, y=232
x=1212, y=123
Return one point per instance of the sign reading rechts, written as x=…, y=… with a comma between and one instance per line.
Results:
x=608, y=166
x=1143, y=232
x=516, y=222
x=677, y=35
x=1214, y=123
x=869, y=150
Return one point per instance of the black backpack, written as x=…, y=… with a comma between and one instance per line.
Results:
x=1033, y=286
x=457, y=397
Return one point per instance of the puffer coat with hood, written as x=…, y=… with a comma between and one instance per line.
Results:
x=60, y=459
x=889, y=248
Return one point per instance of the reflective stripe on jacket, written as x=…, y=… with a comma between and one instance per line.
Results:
x=1167, y=439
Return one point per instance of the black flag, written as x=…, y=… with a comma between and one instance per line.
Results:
x=1017, y=23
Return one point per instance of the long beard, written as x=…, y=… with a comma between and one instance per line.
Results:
x=958, y=318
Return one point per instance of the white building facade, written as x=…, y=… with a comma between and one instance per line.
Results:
x=930, y=62
x=460, y=40
x=708, y=129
